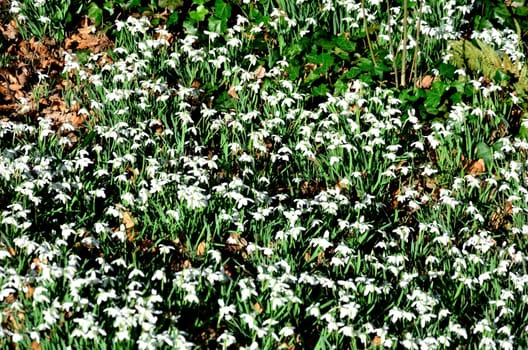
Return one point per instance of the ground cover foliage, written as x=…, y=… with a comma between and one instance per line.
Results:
x=263, y=174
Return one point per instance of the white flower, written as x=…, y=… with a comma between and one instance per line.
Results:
x=321, y=243
x=225, y=311
x=4, y=254
x=45, y=20
x=226, y=339
x=334, y=160
x=159, y=275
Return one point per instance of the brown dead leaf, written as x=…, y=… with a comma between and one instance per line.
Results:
x=230, y=271
x=376, y=341
x=5, y=91
x=10, y=299
x=131, y=235
x=425, y=82
x=36, y=263
x=430, y=183
x=74, y=119
x=85, y=39
x=497, y=219
x=508, y=208
x=354, y=108
x=30, y=290
x=11, y=79
x=15, y=87
x=13, y=322
x=23, y=76
x=40, y=49
x=320, y=258
x=131, y=173
x=476, y=167
x=310, y=66
x=259, y=73
x=156, y=126
x=394, y=204
x=57, y=103
x=202, y=247
x=127, y=220
x=258, y=308
x=232, y=92
x=8, y=108
x=249, y=37
x=86, y=29
x=35, y=345
x=10, y=31
x=235, y=242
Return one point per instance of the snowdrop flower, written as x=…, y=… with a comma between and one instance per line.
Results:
x=226, y=339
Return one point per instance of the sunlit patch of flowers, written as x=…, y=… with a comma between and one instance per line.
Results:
x=211, y=202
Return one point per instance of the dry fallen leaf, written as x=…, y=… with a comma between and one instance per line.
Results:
x=310, y=66
x=29, y=292
x=259, y=73
x=37, y=263
x=10, y=31
x=376, y=341
x=10, y=299
x=127, y=220
x=497, y=219
x=476, y=167
x=508, y=208
x=258, y=308
x=235, y=242
x=425, y=82
x=86, y=40
x=13, y=322
x=232, y=92
x=200, y=250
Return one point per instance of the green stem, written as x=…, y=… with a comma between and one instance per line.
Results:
x=391, y=46
x=367, y=33
x=414, y=68
x=404, y=48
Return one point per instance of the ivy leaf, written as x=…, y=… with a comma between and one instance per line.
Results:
x=340, y=87
x=170, y=5
x=447, y=70
x=521, y=11
x=95, y=13
x=173, y=19
x=344, y=44
x=222, y=10
x=320, y=90
x=485, y=152
x=216, y=25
